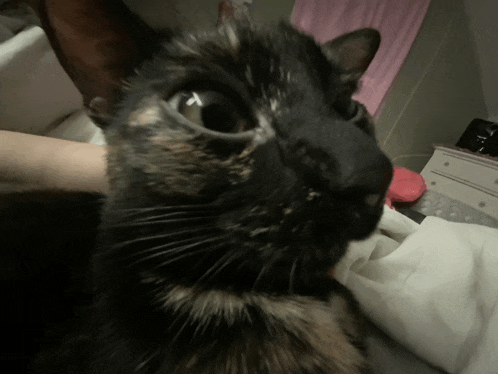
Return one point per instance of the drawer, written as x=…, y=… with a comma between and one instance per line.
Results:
x=464, y=176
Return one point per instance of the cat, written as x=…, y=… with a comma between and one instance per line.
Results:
x=240, y=168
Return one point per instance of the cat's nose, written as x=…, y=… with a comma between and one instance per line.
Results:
x=366, y=171
x=345, y=158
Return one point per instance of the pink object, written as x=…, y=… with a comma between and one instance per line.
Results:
x=406, y=187
x=398, y=22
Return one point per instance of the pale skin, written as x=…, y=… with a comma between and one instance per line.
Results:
x=50, y=163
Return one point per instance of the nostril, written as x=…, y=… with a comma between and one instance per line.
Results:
x=371, y=180
x=367, y=187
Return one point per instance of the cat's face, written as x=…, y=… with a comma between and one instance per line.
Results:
x=246, y=143
x=236, y=157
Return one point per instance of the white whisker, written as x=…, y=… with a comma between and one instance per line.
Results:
x=179, y=220
x=292, y=275
x=168, y=215
x=218, y=266
x=263, y=271
x=193, y=253
x=170, y=208
x=171, y=246
x=169, y=249
x=168, y=235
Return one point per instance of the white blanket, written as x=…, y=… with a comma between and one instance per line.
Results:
x=432, y=287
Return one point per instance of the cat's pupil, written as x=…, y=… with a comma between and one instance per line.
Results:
x=213, y=110
x=217, y=117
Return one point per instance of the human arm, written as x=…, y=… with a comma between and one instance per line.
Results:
x=52, y=163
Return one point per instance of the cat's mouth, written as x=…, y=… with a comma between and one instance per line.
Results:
x=292, y=240
x=318, y=222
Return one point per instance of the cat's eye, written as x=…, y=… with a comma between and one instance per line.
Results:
x=213, y=110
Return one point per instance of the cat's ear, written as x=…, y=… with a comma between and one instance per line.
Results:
x=353, y=52
x=98, y=43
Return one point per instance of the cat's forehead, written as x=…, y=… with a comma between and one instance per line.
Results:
x=267, y=65
x=244, y=37
x=253, y=53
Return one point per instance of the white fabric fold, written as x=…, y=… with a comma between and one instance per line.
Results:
x=433, y=287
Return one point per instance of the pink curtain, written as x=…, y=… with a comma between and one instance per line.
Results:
x=398, y=22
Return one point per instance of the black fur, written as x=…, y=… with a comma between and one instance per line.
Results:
x=214, y=246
